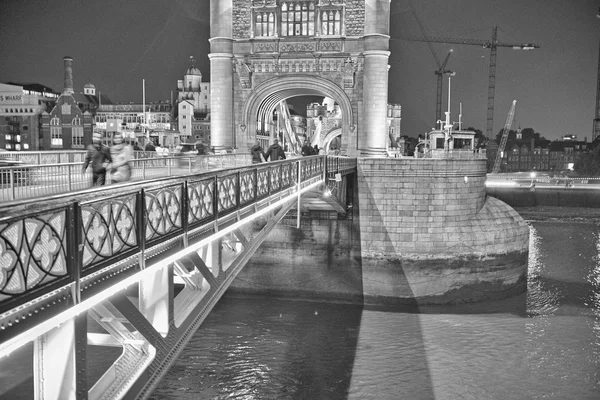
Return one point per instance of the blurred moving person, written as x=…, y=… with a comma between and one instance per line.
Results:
x=99, y=156
x=121, y=154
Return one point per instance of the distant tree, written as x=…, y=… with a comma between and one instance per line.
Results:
x=588, y=163
x=512, y=135
x=526, y=134
x=479, y=136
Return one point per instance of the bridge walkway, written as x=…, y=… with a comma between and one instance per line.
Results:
x=136, y=267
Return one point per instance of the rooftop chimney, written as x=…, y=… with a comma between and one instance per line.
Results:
x=68, y=75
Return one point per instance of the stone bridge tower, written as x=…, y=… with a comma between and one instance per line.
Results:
x=265, y=51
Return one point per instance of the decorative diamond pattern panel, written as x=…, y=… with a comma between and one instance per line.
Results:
x=227, y=192
x=33, y=251
x=163, y=211
x=275, y=178
x=286, y=175
x=247, y=186
x=262, y=184
x=109, y=228
x=200, y=195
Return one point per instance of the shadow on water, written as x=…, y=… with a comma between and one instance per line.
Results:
x=253, y=347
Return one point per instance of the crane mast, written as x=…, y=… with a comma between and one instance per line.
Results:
x=440, y=72
x=509, y=120
x=488, y=44
x=596, y=131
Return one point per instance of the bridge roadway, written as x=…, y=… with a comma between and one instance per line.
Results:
x=136, y=266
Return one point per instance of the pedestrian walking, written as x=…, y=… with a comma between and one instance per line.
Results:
x=306, y=149
x=98, y=155
x=275, y=152
x=257, y=153
x=121, y=154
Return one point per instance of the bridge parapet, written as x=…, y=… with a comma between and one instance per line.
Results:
x=61, y=251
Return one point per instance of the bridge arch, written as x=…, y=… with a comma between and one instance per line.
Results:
x=329, y=138
x=265, y=97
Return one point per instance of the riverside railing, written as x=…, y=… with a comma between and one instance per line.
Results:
x=25, y=181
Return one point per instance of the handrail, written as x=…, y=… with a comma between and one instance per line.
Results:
x=31, y=180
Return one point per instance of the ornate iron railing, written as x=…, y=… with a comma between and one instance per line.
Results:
x=60, y=251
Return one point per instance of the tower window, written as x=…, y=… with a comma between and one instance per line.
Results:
x=331, y=22
x=298, y=18
x=264, y=24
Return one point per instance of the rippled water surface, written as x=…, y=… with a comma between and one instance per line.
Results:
x=544, y=344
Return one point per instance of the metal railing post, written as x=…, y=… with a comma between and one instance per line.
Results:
x=12, y=183
x=298, y=187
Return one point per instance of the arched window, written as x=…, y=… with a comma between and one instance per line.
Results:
x=331, y=22
x=76, y=132
x=55, y=133
x=264, y=24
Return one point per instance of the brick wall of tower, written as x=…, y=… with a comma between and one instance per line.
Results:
x=242, y=18
x=355, y=17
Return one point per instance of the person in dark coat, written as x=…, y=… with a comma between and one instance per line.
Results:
x=316, y=149
x=275, y=152
x=150, y=147
x=98, y=155
x=307, y=150
x=257, y=153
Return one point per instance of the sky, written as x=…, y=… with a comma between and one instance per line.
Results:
x=117, y=44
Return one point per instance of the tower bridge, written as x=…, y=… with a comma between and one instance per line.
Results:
x=138, y=266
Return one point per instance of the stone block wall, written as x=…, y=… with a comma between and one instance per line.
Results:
x=319, y=260
x=429, y=206
x=430, y=234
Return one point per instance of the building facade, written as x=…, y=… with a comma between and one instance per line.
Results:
x=21, y=107
x=543, y=155
x=139, y=123
x=193, y=107
x=265, y=51
x=69, y=124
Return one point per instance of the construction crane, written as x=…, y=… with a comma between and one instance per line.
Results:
x=507, y=125
x=440, y=72
x=596, y=131
x=488, y=44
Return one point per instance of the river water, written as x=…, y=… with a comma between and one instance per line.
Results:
x=543, y=344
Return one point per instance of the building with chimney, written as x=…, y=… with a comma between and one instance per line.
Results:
x=21, y=107
x=69, y=124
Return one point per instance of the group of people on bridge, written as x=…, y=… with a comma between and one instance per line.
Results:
x=116, y=159
x=275, y=152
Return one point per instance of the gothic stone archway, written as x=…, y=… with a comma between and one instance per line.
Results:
x=264, y=98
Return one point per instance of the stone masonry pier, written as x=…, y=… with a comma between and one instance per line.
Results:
x=423, y=232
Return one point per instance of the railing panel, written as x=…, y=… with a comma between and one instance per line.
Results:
x=262, y=188
x=109, y=229
x=201, y=196
x=33, y=253
x=275, y=178
x=227, y=191
x=163, y=211
x=247, y=187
